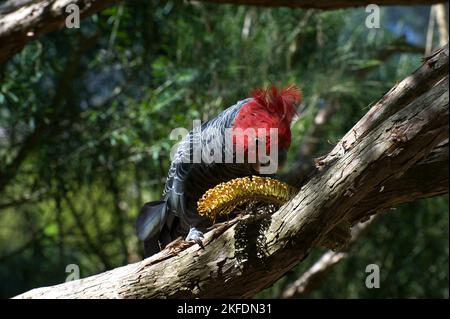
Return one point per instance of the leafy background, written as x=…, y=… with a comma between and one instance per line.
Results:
x=101, y=101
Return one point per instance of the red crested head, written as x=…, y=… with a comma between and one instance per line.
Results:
x=279, y=103
x=268, y=108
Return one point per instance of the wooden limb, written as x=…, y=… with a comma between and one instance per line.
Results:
x=427, y=178
x=430, y=31
x=23, y=21
x=442, y=23
x=400, y=45
x=322, y=4
x=251, y=253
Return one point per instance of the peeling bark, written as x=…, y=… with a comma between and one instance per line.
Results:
x=427, y=178
x=390, y=142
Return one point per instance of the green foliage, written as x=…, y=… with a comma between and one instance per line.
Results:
x=410, y=245
x=101, y=102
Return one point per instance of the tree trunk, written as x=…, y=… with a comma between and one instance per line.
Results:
x=377, y=165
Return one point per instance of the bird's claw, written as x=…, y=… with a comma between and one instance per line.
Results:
x=196, y=236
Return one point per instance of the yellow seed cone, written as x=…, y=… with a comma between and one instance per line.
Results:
x=225, y=197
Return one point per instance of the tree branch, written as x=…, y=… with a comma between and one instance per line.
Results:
x=322, y=4
x=427, y=178
x=237, y=264
x=312, y=277
x=24, y=20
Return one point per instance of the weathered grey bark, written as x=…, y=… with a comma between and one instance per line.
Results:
x=23, y=21
x=399, y=132
x=442, y=23
x=323, y=4
x=432, y=172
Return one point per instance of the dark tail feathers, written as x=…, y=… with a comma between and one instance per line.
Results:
x=149, y=223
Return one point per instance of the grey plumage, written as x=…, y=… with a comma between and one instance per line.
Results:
x=159, y=223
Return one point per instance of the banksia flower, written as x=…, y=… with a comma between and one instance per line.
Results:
x=225, y=197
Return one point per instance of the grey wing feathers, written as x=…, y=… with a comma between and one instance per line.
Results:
x=181, y=162
x=160, y=222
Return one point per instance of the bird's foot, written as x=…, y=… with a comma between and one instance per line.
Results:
x=196, y=236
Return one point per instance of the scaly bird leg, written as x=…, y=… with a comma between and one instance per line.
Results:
x=196, y=236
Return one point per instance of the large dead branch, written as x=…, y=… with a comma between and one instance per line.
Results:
x=323, y=4
x=237, y=262
x=23, y=20
x=432, y=171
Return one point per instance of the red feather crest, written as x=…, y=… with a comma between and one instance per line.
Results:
x=280, y=101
